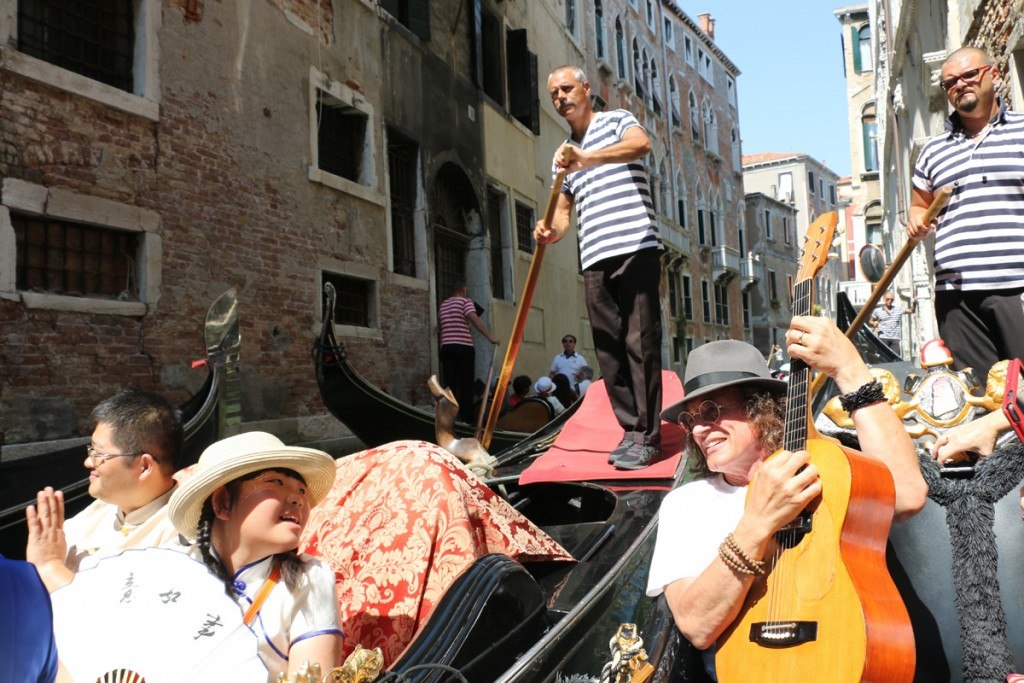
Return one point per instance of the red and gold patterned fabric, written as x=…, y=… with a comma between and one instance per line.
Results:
x=400, y=524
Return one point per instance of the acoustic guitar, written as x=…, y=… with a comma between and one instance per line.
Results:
x=826, y=609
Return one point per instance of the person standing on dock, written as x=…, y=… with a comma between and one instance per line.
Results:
x=457, y=353
x=620, y=249
x=979, y=237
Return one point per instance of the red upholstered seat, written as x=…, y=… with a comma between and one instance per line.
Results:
x=400, y=524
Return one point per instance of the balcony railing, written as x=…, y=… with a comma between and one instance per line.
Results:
x=725, y=263
x=673, y=235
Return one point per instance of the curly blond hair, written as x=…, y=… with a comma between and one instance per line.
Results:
x=765, y=411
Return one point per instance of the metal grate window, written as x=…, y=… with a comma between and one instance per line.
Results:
x=352, y=306
x=524, y=227
x=93, y=38
x=402, y=158
x=341, y=137
x=62, y=257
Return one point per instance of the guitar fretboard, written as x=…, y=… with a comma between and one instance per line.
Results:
x=794, y=437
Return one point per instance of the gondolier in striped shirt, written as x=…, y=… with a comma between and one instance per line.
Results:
x=979, y=239
x=620, y=251
x=458, y=356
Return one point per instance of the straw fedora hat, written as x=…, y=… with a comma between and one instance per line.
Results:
x=543, y=384
x=719, y=364
x=237, y=456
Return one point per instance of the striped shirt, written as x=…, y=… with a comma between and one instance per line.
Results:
x=453, y=318
x=889, y=321
x=979, y=244
x=613, y=201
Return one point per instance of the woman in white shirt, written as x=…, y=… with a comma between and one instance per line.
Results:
x=244, y=507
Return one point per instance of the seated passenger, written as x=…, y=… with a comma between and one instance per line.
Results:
x=135, y=450
x=244, y=506
x=584, y=376
x=564, y=392
x=520, y=388
x=733, y=411
x=544, y=386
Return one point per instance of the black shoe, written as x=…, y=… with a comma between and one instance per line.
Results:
x=620, y=450
x=637, y=456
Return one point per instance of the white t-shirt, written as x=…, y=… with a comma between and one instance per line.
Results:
x=288, y=617
x=693, y=522
x=568, y=365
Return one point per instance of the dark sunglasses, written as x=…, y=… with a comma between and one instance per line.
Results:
x=967, y=77
x=708, y=413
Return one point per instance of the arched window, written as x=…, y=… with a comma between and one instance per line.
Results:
x=873, y=223
x=710, y=129
x=694, y=116
x=620, y=48
x=665, y=187
x=647, y=77
x=702, y=229
x=638, y=71
x=599, y=28
x=734, y=137
x=869, y=133
x=680, y=199
x=655, y=88
x=715, y=220
x=673, y=93
x=862, y=57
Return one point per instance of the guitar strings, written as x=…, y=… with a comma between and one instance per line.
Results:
x=782, y=599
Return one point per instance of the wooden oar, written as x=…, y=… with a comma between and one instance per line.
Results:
x=520, y=323
x=941, y=197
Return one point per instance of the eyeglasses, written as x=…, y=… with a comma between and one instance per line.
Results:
x=968, y=76
x=708, y=413
x=96, y=458
x=568, y=340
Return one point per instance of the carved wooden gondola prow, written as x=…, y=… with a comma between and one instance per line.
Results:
x=223, y=346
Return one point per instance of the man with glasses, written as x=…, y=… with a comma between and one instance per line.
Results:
x=135, y=451
x=979, y=237
x=568, y=362
x=713, y=533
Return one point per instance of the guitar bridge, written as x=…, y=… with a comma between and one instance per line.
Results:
x=783, y=633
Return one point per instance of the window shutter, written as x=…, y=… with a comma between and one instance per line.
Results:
x=855, y=46
x=524, y=104
x=475, y=40
x=419, y=18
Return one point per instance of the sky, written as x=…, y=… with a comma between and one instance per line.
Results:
x=792, y=92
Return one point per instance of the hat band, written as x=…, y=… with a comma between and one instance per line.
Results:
x=713, y=378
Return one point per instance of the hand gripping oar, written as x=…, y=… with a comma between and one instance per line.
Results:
x=941, y=197
x=519, y=326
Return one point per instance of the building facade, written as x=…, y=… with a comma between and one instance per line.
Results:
x=811, y=188
x=773, y=251
x=390, y=147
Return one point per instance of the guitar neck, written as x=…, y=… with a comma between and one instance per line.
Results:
x=795, y=433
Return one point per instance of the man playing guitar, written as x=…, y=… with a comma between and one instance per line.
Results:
x=716, y=534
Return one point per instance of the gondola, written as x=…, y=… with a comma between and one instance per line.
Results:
x=204, y=414
x=376, y=417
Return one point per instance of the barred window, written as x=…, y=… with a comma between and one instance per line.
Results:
x=524, y=227
x=63, y=257
x=93, y=38
x=341, y=137
x=352, y=307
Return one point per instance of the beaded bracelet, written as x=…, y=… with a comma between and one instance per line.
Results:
x=756, y=565
x=866, y=395
x=732, y=562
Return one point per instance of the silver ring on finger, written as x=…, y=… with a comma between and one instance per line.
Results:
x=800, y=339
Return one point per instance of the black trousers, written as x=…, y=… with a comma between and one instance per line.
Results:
x=625, y=317
x=981, y=328
x=457, y=366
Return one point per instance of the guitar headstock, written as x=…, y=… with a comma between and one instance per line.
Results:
x=817, y=243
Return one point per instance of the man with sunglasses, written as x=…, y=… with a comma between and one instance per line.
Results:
x=135, y=451
x=568, y=362
x=979, y=237
x=713, y=533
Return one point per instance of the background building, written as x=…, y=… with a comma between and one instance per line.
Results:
x=773, y=252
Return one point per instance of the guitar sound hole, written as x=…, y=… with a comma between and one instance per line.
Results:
x=783, y=633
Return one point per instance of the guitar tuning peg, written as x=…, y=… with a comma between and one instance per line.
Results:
x=807, y=238
x=837, y=241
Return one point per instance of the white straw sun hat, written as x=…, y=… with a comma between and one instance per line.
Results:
x=237, y=456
